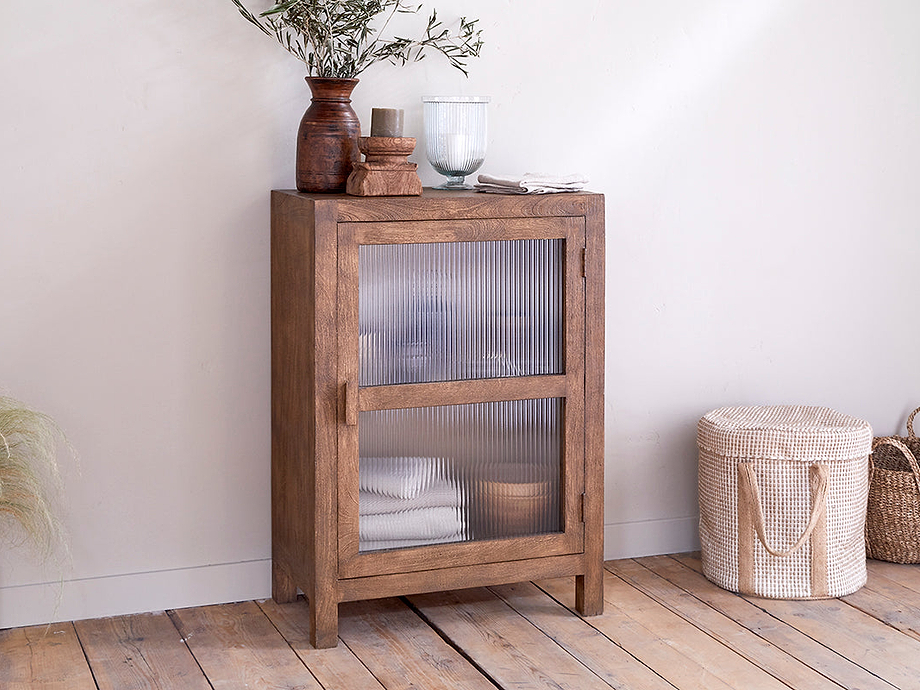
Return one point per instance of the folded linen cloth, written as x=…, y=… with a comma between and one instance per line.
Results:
x=404, y=543
x=531, y=183
x=397, y=477
x=440, y=493
x=424, y=524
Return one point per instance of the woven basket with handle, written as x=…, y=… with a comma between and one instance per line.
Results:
x=783, y=500
x=893, y=517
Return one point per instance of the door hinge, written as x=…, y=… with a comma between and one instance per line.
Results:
x=584, y=262
x=581, y=510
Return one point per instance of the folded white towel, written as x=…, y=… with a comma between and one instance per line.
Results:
x=422, y=523
x=531, y=183
x=404, y=543
x=397, y=477
x=440, y=493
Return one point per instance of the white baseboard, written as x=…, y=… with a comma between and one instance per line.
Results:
x=133, y=593
x=118, y=595
x=651, y=537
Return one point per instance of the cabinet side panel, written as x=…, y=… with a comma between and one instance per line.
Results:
x=324, y=594
x=590, y=588
x=293, y=263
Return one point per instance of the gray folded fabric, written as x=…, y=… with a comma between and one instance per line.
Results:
x=531, y=183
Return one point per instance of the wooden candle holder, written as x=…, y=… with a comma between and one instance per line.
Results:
x=385, y=170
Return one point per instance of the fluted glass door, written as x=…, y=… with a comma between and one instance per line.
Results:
x=460, y=389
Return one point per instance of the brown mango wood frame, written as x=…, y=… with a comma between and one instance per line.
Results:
x=316, y=402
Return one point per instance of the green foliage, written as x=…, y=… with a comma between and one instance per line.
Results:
x=28, y=474
x=342, y=38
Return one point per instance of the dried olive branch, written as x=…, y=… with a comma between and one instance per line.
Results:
x=338, y=38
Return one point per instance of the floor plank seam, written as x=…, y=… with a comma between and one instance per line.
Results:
x=360, y=661
x=601, y=632
x=868, y=611
x=709, y=633
x=89, y=664
x=587, y=622
x=290, y=645
x=666, y=627
x=450, y=642
x=172, y=619
x=753, y=601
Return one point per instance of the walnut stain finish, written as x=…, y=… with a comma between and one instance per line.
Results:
x=316, y=400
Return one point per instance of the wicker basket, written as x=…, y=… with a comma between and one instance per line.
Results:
x=893, y=517
x=783, y=500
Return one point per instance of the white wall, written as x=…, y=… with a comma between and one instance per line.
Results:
x=761, y=161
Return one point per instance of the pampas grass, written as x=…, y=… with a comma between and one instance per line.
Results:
x=28, y=476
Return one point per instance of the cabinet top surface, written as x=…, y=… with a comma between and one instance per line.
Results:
x=437, y=204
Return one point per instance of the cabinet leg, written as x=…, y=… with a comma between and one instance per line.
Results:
x=324, y=622
x=284, y=591
x=589, y=592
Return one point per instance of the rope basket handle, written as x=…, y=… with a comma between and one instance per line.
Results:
x=905, y=451
x=820, y=504
x=910, y=424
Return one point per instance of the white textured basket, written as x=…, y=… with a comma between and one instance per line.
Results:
x=783, y=494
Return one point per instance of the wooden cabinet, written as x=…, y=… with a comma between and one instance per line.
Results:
x=437, y=395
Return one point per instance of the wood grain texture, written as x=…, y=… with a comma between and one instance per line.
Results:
x=595, y=651
x=139, y=652
x=755, y=649
x=323, y=595
x=463, y=230
x=43, y=658
x=868, y=642
x=665, y=626
x=348, y=370
x=404, y=653
x=433, y=580
x=365, y=181
x=435, y=204
x=505, y=645
x=238, y=647
x=907, y=576
x=589, y=595
x=678, y=651
x=461, y=392
x=293, y=393
x=890, y=602
x=385, y=170
x=337, y=667
x=315, y=241
x=747, y=614
x=515, y=553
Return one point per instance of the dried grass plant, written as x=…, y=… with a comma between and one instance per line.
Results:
x=29, y=476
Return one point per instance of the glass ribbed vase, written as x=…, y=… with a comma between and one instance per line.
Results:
x=456, y=134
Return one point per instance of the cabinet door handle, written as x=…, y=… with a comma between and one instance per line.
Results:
x=351, y=404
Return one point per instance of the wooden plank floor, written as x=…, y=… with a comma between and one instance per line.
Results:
x=665, y=626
